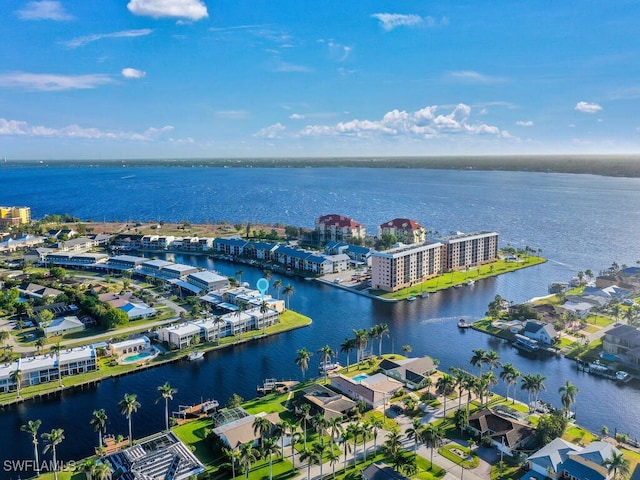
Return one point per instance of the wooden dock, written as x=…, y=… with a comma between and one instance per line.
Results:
x=187, y=413
x=271, y=385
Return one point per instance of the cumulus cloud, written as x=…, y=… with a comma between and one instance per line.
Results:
x=44, y=10
x=189, y=9
x=133, y=73
x=389, y=21
x=272, y=131
x=22, y=128
x=82, y=41
x=471, y=76
x=586, y=107
x=427, y=122
x=522, y=123
x=52, y=82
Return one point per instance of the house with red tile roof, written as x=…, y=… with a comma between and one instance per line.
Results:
x=404, y=229
x=338, y=227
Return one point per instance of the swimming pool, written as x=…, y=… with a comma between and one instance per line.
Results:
x=139, y=356
x=359, y=378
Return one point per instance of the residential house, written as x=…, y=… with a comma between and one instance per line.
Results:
x=563, y=459
x=623, y=341
x=235, y=427
x=381, y=471
x=507, y=434
x=62, y=325
x=132, y=345
x=375, y=391
x=405, y=230
x=324, y=401
x=541, y=332
x=413, y=372
x=337, y=228
x=34, y=290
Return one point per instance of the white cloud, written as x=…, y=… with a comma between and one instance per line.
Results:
x=190, y=9
x=296, y=116
x=272, y=131
x=52, y=82
x=389, y=21
x=133, y=73
x=44, y=10
x=82, y=41
x=424, y=123
x=522, y=123
x=586, y=107
x=471, y=76
x=339, y=52
x=21, y=128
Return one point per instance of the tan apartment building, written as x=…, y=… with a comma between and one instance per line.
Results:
x=334, y=227
x=469, y=250
x=405, y=266
x=15, y=215
x=404, y=229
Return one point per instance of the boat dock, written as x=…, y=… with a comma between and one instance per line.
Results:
x=271, y=385
x=192, y=412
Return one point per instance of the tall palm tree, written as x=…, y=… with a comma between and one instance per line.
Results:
x=4, y=337
x=414, y=432
x=233, y=454
x=55, y=350
x=129, y=405
x=319, y=423
x=361, y=341
x=348, y=346
x=303, y=415
x=262, y=426
x=355, y=430
x=478, y=358
x=334, y=457
x=568, y=398
x=52, y=440
x=378, y=332
x=247, y=457
x=393, y=443
x=264, y=309
x=492, y=359
x=99, y=423
x=32, y=427
x=311, y=457
x=376, y=426
x=528, y=384
x=432, y=436
x=218, y=321
x=489, y=379
x=277, y=284
x=539, y=380
x=459, y=377
x=444, y=386
x=302, y=360
x=288, y=292
x=509, y=375
x=618, y=465
x=102, y=471
x=270, y=448
x=334, y=426
x=320, y=449
x=366, y=429
x=326, y=353
x=347, y=436
x=88, y=467
x=16, y=377
x=166, y=392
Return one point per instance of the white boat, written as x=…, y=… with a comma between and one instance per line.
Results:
x=462, y=323
x=471, y=283
x=622, y=376
x=424, y=294
x=196, y=355
x=411, y=298
x=328, y=367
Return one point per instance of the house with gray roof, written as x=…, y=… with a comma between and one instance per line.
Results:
x=541, y=332
x=413, y=372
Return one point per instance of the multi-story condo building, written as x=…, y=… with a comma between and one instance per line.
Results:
x=15, y=215
x=405, y=230
x=337, y=227
x=468, y=250
x=405, y=266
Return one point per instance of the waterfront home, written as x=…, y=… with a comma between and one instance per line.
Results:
x=404, y=229
x=132, y=345
x=507, y=434
x=338, y=227
x=46, y=368
x=180, y=336
x=413, y=372
x=623, y=341
x=541, y=332
x=563, y=459
x=159, y=456
x=235, y=427
x=375, y=390
x=62, y=325
x=324, y=401
x=381, y=471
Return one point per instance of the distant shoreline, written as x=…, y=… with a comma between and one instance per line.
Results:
x=604, y=165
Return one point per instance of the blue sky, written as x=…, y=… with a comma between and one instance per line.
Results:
x=197, y=78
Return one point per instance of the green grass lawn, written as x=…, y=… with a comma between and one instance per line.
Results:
x=469, y=461
x=194, y=435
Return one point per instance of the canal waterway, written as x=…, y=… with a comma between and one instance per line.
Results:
x=579, y=221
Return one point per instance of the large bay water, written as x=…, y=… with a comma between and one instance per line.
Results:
x=579, y=221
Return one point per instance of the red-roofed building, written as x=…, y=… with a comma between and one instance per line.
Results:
x=405, y=230
x=338, y=228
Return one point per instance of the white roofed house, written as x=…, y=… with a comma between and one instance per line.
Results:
x=179, y=336
x=62, y=325
x=138, y=344
x=207, y=281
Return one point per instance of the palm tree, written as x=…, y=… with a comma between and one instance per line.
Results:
x=88, y=467
x=233, y=454
x=166, y=393
x=262, y=426
x=376, y=426
x=102, y=471
x=568, y=398
x=319, y=423
x=492, y=359
x=270, y=447
x=303, y=415
x=264, y=308
x=128, y=405
x=334, y=457
x=432, y=436
x=16, y=377
x=334, y=425
x=239, y=275
x=302, y=360
x=379, y=331
x=99, y=423
x=288, y=292
x=347, y=347
x=509, y=376
x=247, y=457
x=393, y=443
x=355, y=430
x=320, y=449
x=365, y=429
x=444, y=386
x=361, y=338
x=459, y=377
x=55, y=350
x=312, y=458
x=489, y=379
x=218, y=321
x=415, y=432
x=326, y=353
x=539, y=384
x=478, y=358
x=277, y=284
x=32, y=427
x=52, y=440
x=618, y=465
x=4, y=337
x=528, y=384
x=346, y=438
x=39, y=344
